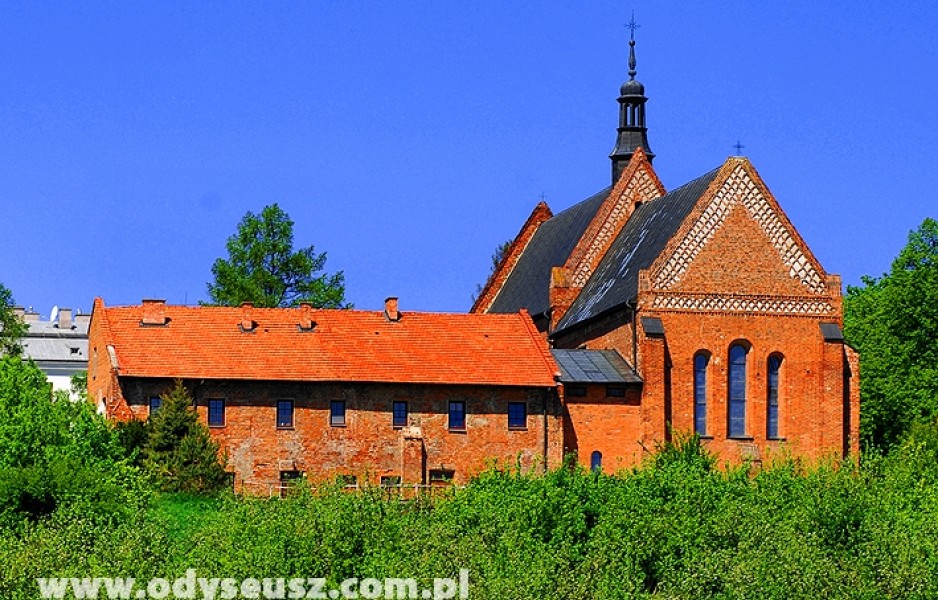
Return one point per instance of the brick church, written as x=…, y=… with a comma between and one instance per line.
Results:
x=732, y=326
x=606, y=328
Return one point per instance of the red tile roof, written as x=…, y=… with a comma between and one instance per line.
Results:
x=345, y=345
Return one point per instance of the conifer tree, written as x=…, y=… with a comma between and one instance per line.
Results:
x=179, y=450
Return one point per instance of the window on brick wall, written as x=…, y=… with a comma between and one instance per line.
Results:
x=284, y=414
x=517, y=415
x=337, y=413
x=155, y=403
x=457, y=415
x=701, y=361
x=441, y=476
x=771, y=421
x=737, y=390
x=399, y=413
x=596, y=461
x=216, y=412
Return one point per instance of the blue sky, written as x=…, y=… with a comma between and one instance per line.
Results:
x=408, y=139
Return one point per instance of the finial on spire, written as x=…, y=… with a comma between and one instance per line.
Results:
x=739, y=148
x=632, y=26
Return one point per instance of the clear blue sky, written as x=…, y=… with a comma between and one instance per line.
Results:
x=408, y=139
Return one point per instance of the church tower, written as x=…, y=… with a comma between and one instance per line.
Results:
x=632, y=130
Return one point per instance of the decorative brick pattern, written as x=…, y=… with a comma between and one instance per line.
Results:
x=807, y=306
x=638, y=183
x=739, y=188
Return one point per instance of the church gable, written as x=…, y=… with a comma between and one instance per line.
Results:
x=638, y=184
x=738, y=241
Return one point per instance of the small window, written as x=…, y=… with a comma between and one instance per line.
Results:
x=155, y=403
x=399, y=414
x=347, y=480
x=517, y=415
x=285, y=414
x=337, y=413
x=615, y=391
x=288, y=481
x=575, y=390
x=216, y=412
x=596, y=461
x=390, y=480
x=441, y=476
x=701, y=361
x=775, y=365
x=737, y=389
x=457, y=415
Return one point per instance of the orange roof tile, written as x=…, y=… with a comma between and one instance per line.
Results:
x=345, y=345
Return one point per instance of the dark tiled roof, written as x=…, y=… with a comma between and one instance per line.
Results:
x=594, y=366
x=528, y=286
x=644, y=236
x=653, y=326
x=832, y=332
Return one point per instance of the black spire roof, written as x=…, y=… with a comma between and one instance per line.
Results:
x=632, y=130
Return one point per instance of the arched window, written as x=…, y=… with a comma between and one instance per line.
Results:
x=737, y=389
x=700, y=393
x=775, y=365
x=596, y=461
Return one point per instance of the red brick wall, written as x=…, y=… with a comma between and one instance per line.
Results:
x=369, y=446
x=612, y=426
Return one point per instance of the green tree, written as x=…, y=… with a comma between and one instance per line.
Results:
x=496, y=259
x=893, y=322
x=262, y=267
x=12, y=329
x=179, y=449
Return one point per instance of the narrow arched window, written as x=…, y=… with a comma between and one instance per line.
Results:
x=737, y=395
x=775, y=366
x=700, y=393
x=596, y=461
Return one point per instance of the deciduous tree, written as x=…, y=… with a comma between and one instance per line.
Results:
x=12, y=328
x=893, y=322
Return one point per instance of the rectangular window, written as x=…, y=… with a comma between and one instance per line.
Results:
x=575, y=390
x=347, y=480
x=288, y=481
x=155, y=403
x=517, y=415
x=216, y=412
x=390, y=480
x=441, y=476
x=337, y=413
x=399, y=416
x=285, y=414
x=615, y=391
x=457, y=415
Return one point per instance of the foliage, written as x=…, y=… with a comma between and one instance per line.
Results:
x=262, y=267
x=676, y=527
x=496, y=259
x=893, y=322
x=55, y=453
x=179, y=450
x=12, y=329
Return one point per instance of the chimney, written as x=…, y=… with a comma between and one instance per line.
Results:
x=65, y=318
x=82, y=318
x=154, y=312
x=390, y=309
x=247, y=322
x=19, y=312
x=306, y=317
x=31, y=316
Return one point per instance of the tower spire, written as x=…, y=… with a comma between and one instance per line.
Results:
x=632, y=132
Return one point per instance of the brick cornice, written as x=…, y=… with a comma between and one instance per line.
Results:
x=496, y=281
